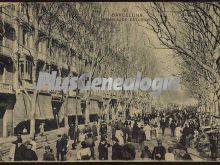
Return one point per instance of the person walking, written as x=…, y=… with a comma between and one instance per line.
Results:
x=103, y=149
x=119, y=135
x=61, y=146
x=17, y=150
x=178, y=132
x=163, y=125
x=128, y=152
x=159, y=151
x=172, y=127
x=29, y=154
x=146, y=154
x=141, y=138
x=48, y=154
x=155, y=131
x=170, y=155
x=147, y=130
x=129, y=132
x=91, y=144
x=125, y=130
x=135, y=131
x=116, y=150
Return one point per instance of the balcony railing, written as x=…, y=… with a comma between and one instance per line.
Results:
x=42, y=56
x=25, y=50
x=6, y=88
x=6, y=47
x=7, y=16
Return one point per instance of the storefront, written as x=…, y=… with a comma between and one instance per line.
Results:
x=93, y=110
x=22, y=113
x=7, y=102
x=44, y=113
x=72, y=109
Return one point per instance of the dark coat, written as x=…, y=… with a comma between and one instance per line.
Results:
x=19, y=152
x=141, y=136
x=71, y=132
x=103, y=151
x=61, y=145
x=173, y=126
x=48, y=156
x=146, y=154
x=30, y=155
x=159, y=150
x=186, y=131
x=135, y=131
x=116, y=152
x=94, y=130
x=128, y=152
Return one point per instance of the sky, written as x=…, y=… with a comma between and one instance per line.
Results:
x=167, y=63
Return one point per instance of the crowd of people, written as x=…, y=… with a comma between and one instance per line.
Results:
x=125, y=139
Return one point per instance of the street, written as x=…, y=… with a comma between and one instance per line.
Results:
x=167, y=140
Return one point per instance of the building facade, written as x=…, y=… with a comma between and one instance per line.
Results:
x=23, y=55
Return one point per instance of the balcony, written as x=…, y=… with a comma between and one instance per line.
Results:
x=25, y=50
x=6, y=88
x=42, y=56
x=73, y=68
x=7, y=16
x=6, y=47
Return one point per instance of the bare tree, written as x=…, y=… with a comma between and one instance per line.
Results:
x=191, y=30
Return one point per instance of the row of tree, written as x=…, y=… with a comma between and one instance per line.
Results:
x=192, y=32
x=105, y=48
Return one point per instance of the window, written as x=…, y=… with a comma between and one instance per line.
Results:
x=24, y=37
x=28, y=70
x=22, y=8
x=40, y=47
x=22, y=69
x=29, y=41
x=25, y=68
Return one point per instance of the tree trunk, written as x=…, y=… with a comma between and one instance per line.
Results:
x=66, y=123
x=34, y=68
x=33, y=109
x=87, y=111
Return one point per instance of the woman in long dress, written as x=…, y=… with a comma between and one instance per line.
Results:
x=147, y=130
x=178, y=132
x=120, y=136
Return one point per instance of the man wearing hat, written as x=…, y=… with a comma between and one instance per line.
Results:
x=116, y=149
x=91, y=144
x=59, y=148
x=103, y=149
x=17, y=149
x=48, y=154
x=29, y=154
x=159, y=151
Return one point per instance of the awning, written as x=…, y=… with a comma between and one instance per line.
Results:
x=70, y=108
x=7, y=101
x=21, y=109
x=74, y=107
x=93, y=107
x=44, y=107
